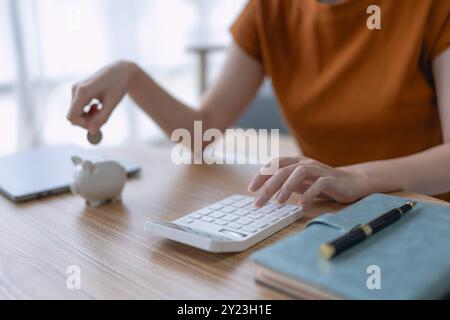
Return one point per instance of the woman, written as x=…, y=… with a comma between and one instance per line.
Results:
x=369, y=108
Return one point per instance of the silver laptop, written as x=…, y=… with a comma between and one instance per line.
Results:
x=44, y=171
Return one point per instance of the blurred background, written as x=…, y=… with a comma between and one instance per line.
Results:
x=47, y=45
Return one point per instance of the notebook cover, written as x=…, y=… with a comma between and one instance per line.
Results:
x=413, y=255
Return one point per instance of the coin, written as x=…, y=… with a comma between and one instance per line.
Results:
x=95, y=139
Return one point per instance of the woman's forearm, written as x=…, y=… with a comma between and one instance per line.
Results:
x=169, y=113
x=426, y=172
x=224, y=101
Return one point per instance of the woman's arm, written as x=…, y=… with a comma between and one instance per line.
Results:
x=427, y=172
x=223, y=103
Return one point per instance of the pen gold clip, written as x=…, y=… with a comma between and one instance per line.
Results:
x=361, y=232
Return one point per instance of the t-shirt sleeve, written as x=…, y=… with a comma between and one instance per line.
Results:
x=442, y=28
x=245, y=30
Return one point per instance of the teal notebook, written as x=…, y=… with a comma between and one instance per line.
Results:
x=413, y=255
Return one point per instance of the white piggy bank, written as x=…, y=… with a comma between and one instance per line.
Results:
x=98, y=182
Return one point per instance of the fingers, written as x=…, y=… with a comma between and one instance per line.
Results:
x=273, y=185
x=288, y=180
x=259, y=180
x=82, y=95
x=308, y=177
x=322, y=185
x=300, y=174
x=99, y=118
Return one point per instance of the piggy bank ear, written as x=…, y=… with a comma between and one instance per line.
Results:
x=88, y=166
x=76, y=161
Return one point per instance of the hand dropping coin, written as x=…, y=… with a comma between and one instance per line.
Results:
x=94, y=139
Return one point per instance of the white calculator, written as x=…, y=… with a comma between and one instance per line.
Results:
x=231, y=225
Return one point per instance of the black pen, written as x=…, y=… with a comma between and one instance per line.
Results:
x=330, y=250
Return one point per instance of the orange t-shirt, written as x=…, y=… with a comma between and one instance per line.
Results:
x=350, y=94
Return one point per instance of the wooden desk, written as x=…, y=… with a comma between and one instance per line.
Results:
x=118, y=260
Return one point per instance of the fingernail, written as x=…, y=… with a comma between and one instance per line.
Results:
x=251, y=186
x=281, y=197
x=302, y=202
x=258, y=203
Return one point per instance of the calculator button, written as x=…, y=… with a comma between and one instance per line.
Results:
x=245, y=221
x=275, y=206
x=216, y=207
x=231, y=218
x=266, y=210
x=208, y=219
x=266, y=221
x=250, y=207
x=204, y=212
x=196, y=216
x=228, y=210
x=249, y=230
x=217, y=215
x=222, y=223
x=226, y=202
x=242, y=212
x=271, y=218
x=290, y=208
x=236, y=198
x=255, y=216
x=259, y=225
x=286, y=209
x=281, y=214
x=244, y=203
x=235, y=226
x=187, y=221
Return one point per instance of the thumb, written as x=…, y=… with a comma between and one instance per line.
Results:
x=100, y=117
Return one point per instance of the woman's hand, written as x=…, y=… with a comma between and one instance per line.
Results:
x=312, y=179
x=108, y=86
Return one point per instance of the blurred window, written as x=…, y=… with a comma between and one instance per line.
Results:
x=47, y=45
